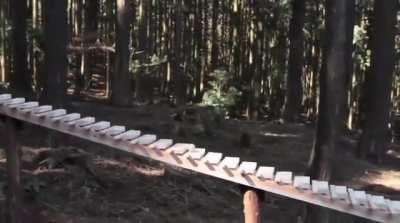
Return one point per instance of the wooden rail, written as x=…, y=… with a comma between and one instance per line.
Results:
x=188, y=156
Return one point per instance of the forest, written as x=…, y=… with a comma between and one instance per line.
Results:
x=312, y=86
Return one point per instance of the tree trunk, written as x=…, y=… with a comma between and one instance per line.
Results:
x=3, y=44
x=331, y=94
x=21, y=79
x=89, y=37
x=178, y=77
x=121, y=84
x=294, y=88
x=13, y=153
x=56, y=64
x=77, y=31
x=350, y=20
x=214, y=35
x=378, y=81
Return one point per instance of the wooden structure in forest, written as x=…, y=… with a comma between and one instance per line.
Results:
x=188, y=156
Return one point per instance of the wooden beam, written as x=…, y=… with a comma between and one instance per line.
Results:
x=188, y=156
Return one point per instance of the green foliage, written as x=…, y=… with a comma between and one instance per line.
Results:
x=155, y=61
x=221, y=94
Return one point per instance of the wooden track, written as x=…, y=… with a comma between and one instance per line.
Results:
x=188, y=156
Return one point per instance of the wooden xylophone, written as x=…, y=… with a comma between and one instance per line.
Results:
x=188, y=156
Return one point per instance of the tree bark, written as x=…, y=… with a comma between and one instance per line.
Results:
x=3, y=41
x=331, y=88
x=214, y=35
x=350, y=20
x=331, y=98
x=13, y=154
x=294, y=88
x=21, y=79
x=121, y=84
x=89, y=37
x=378, y=81
x=56, y=64
x=178, y=77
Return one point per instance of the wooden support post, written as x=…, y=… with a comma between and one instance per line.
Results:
x=13, y=154
x=251, y=204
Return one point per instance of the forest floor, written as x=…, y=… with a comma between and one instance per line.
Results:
x=111, y=186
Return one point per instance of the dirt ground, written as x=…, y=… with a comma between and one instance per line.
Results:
x=117, y=187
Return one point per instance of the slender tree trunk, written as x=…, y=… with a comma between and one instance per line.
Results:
x=294, y=88
x=121, y=84
x=80, y=79
x=21, y=79
x=178, y=78
x=198, y=26
x=3, y=41
x=56, y=64
x=350, y=20
x=142, y=33
x=13, y=153
x=214, y=35
x=378, y=81
x=331, y=94
x=6, y=41
x=90, y=36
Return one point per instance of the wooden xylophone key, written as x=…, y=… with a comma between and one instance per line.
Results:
x=181, y=148
x=212, y=158
x=41, y=109
x=144, y=139
x=52, y=114
x=230, y=163
x=197, y=153
x=67, y=118
x=358, y=198
x=98, y=126
x=377, y=203
x=26, y=105
x=248, y=168
x=5, y=97
x=161, y=144
x=284, y=177
x=82, y=122
x=266, y=173
x=302, y=182
x=13, y=101
x=339, y=193
x=394, y=207
x=128, y=135
x=321, y=188
x=113, y=131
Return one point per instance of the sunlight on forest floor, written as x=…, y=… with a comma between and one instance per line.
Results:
x=387, y=178
x=146, y=170
x=278, y=135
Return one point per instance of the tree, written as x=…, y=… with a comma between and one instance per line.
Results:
x=120, y=83
x=214, y=35
x=350, y=20
x=56, y=64
x=21, y=79
x=178, y=77
x=378, y=81
x=89, y=37
x=331, y=97
x=294, y=89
